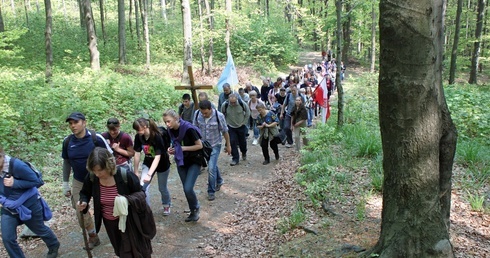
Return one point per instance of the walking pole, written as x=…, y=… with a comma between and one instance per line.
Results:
x=85, y=239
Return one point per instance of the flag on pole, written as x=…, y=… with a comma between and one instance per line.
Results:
x=228, y=75
x=321, y=97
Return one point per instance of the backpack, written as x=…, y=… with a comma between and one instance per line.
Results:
x=107, y=136
x=69, y=137
x=215, y=112
x=32, y=167
x=227, y=103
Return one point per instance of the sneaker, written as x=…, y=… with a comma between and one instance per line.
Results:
x=255, y=142
x=233, y=163
x=244, y=156
x=218, y=187
x=53, y=252
x=194, y=216
x=289, y=145
x=211, y=197
x=93, y=240
x=166, y=211
x=266, y=162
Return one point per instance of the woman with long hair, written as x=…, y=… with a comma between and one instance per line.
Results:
x=185, y=146
x=154, y=144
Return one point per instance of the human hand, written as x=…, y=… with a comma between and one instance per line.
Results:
x=228, y=149
x=115, y=146
x=81, y=206
x=147, y=178
x=171, y=150
x=66, y=189
x=8, y=181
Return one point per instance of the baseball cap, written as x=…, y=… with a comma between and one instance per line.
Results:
x=75, y=116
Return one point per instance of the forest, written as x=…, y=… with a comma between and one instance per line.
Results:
x=123, y=59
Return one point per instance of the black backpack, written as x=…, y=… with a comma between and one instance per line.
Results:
x=223, y=110
x=69, y=137
x=32, y=167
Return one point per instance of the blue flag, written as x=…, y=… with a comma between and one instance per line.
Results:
x=228, y=75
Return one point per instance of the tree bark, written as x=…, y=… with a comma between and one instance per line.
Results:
x=187, y=26
x=144, y=15
x=418, y=135
x=476, y=46
x=2, y=25
x=338, y=83
x=201, y=35
x=228, y=25
x=121, y=31
x=346, y=34
x=80, y=10
x=454, y=52
x=12, y=5
x=164, y=11
x=47, y=40
x=102, y=20
x=27, y=13
x=137, y=22
x=211, y=29
x=373, y=36
x=92, y=38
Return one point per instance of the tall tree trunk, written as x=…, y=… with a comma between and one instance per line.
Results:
x=201, y=36
x=130, y=15
x=346, y=34
x=164, y=11
x=102, y=20
x=65, y=16
x=338, y=82
x=47, y=41
x=373, y=36
x=80, y=10
x=144, y=16
x=267, y=11
x=12, y=5
x=27, y=13
x=418, y=135
x=211, y=29
x=228, y=25
x=121, y=31
x=187, y=25
x=2, y=25
x=92, y=38
x=476, y=46
x=454, y=52
x=137, y=22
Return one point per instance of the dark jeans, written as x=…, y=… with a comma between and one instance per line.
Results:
x=188, y=177
x=238, y=138
x=114, y=234
x=265, y=148
x=36, y=224
x=287, y=129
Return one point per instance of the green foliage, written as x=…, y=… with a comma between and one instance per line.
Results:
x=476, y=201
x=297, y=217
x=9, y=49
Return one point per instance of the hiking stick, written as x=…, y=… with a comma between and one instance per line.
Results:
x=85, y=239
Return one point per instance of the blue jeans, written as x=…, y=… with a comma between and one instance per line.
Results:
x=36, y=224
x=255, y=129
x=238, y=139
x=311, y=114
x=188, y=177
x=162, y=185
x=287, y=129
x=214, y=176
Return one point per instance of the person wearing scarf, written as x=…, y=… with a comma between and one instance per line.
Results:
x=22, y=204
x=186, y=144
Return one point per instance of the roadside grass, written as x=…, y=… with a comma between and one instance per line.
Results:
x=338, y=160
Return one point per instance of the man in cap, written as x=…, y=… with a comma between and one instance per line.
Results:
x=120, y=142
x=76, y=148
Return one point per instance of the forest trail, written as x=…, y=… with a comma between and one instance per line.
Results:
x=176, y=238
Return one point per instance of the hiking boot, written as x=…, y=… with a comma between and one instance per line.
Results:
x=218, y=187
x=266, y=162
x=53, y=252
x=244, y=156
x=233, y=163
x=166, y=211
x=194, y=216
x=93, y=240
x=211, y=197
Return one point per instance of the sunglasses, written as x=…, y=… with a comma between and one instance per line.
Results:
x=112, y=123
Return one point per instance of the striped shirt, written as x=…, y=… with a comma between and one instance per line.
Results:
x=107, y=196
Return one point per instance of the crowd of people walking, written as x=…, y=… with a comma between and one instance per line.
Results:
x=114, y=170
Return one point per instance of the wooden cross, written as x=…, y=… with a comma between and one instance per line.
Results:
x=193, y=87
